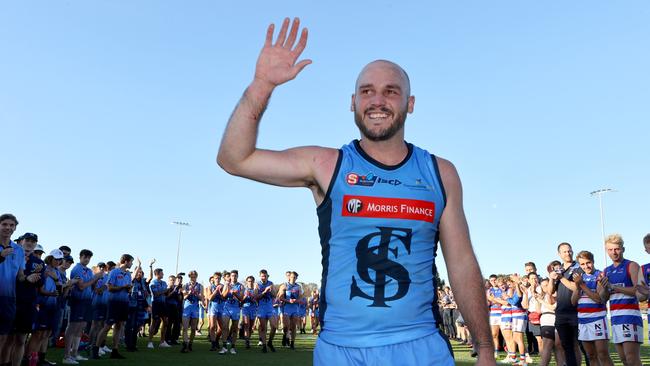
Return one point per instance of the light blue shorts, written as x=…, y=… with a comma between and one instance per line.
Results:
x=249, y=311
x=266, y=312
x=290, y=310
x=430, y=350
x=231, y=312
x=191, y=311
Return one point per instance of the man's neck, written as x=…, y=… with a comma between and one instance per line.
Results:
x=389, y=152
x=5, y=241
x=618, y=262
x=568, y=264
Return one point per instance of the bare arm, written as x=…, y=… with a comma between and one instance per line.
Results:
x=525, y=301
x=642, y=290
x=238, y=153
x=466, y=278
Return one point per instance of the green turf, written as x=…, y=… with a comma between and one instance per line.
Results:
x=302, y=355
x=202, y=355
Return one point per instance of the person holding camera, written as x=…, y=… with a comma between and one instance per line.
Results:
x=566, y=314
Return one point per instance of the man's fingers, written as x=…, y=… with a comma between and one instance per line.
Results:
x=293, y=33
x=283, y=33
x=302, y=42
x=269, y=35
x=299, y=66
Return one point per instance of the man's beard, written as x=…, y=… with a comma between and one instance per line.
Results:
x=385, y=134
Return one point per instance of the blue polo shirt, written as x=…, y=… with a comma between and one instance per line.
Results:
x=157, y=285
x=86, y=275
x=101, y=299
x=9, y=268
x=118, y=277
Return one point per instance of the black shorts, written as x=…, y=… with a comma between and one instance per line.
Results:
x=548, y=332
x=99, y=312
x=7, y=314
x=172, y=311
x=158, y=309
x=47, y=317
x=25, y=318
x=118, y=311
x=81, y=310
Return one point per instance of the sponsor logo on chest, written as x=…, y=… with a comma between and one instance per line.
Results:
x=388, y=208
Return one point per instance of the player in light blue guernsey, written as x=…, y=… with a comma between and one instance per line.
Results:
x=215, y=307
x=619, y=287
x=265, y=311
x=232, y=294
x=290, y=294
x=383, y=205
x=249, y=308
x=592, y=312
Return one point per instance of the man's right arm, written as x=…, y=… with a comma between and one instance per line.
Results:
x=238, y=154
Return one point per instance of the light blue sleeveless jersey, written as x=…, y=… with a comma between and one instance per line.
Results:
x=378, y=228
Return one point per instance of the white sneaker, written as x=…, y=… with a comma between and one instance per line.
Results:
x=101, y=352
x=529, y=359
x=223, y=351
x=106, y=349
x=232, y=351
x=260, y=343
x=164, y=345
x=80, y=358
x=198, y=332
x=150, y=345
x=69, y=361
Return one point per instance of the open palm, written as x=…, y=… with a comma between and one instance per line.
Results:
x=277, y=62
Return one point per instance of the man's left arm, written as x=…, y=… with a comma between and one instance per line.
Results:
x=462, y=267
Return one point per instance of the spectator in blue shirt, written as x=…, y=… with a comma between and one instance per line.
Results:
x=119, y=285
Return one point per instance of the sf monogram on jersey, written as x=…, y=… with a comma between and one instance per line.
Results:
x=383, y=235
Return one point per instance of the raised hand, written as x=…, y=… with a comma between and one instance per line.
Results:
x=276, y=63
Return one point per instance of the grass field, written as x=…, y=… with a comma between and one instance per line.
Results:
x=302, y=355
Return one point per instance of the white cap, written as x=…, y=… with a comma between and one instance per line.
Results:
x=57, y=254
x=39, y=248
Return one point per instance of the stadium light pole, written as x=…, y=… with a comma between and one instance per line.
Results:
x=600, y=193
x=180, y=230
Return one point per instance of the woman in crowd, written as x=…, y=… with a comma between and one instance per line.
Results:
x=546, y=305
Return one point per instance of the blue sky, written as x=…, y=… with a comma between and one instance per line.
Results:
x=111, y=113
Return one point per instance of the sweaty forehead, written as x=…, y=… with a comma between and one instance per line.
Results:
x=381, y=73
